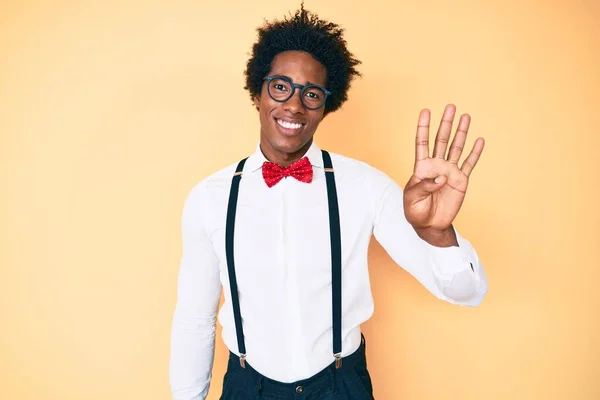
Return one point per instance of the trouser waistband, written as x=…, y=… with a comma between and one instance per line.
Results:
x=325, y=378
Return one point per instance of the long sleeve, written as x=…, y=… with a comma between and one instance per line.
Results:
x=198, y=293
x=453, y=274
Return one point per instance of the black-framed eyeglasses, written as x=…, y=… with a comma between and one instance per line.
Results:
x=281, y=89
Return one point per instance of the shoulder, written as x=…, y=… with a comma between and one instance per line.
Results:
x=204, y=191
x=359, y=171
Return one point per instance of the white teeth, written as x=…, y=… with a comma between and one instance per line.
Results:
x=289, y=125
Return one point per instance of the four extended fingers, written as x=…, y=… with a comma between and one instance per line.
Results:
x=443, y=137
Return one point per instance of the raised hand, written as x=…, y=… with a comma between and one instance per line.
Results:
x=436, y=190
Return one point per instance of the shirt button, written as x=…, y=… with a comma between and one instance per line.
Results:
x=299, y=389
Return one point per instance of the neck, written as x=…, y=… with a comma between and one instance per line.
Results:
x=282, y=158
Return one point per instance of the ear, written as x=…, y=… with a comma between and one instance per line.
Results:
x=257, y=102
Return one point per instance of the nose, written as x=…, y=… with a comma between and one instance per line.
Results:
x=294, y=103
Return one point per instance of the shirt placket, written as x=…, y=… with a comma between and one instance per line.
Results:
x=294, y=310
x=286, y=278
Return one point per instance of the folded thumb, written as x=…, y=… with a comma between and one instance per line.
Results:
x=427, y=186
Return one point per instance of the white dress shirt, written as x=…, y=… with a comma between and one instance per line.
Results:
x=283, y=268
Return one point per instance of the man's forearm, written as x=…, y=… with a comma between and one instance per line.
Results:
x=192, y=356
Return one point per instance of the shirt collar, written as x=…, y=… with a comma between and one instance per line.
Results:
x=256, y=160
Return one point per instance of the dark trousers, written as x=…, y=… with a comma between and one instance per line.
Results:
x=350, y=382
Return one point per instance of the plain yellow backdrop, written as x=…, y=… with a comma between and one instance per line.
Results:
x=110, y=111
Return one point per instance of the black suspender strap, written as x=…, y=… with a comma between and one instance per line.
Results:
x=336, y=258
x=229, y=229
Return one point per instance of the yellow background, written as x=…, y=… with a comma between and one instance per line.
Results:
x=110, y=111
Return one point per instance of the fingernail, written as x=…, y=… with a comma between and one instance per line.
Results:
x=439, y=179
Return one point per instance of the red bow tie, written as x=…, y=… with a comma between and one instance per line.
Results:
x=301, y=170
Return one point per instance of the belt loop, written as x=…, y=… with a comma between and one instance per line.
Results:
x=333, y=377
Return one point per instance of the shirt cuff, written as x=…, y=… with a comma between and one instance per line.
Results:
x=458, y=272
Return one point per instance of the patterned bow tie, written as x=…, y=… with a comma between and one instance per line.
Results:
x=301, y=170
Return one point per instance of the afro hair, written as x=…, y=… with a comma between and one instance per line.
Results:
x=305, y=32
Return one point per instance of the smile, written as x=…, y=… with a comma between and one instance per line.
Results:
x=289, y=125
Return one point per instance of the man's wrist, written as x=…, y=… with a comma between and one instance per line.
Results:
x=445, y=238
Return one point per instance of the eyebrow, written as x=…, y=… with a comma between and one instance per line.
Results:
x=306, y=84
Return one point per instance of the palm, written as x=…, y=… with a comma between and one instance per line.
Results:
x=430, y=205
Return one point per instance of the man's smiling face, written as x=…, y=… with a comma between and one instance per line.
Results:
x=287, y=128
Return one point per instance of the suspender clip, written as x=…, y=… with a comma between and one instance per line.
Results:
x=338, y=360
x=243, y=360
